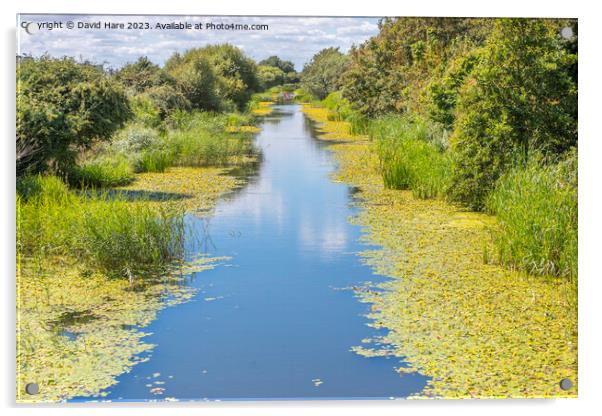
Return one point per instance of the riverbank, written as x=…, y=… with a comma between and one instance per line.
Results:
x=79, y=328
x=478, y=329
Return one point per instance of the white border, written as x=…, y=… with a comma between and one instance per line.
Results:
x=590, y=201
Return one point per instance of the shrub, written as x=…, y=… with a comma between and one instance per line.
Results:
x=536, y=209
x=146, y=111
x=197, y=79
x=136, y=137
x=63, y=107
x=340, y=108
x=275, y=61
x=388, y=72
x=141, y=75
x=204, y=71
x=442, y=93
x=168, y=98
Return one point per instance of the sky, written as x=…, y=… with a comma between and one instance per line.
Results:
x=295, y=39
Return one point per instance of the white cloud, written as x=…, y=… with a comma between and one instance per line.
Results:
x=292, y=38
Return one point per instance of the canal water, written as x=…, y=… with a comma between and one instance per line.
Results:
x=277, y=319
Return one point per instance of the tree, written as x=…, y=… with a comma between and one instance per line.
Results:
x=63, y=107
x=215, y=76
x=388, y=73
x=142, y=75
x=519, y=99
x=270, y=76
x=322, y=75
x=196, y=78
x=276, y=62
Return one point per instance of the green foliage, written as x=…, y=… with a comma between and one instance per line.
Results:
x=519, y=98
x=143, y=75
x=322, y=75
x=215, y=75
x=102, y=173
x=302, y=96
x=340, y=108
x=536, y=208
x=63, y=107
x=197, y=79
x=270, y=76
x=442, y=93
x=136, y=137
x=154, y=161
x=103, y=230
x=146, y=111
x=204, y=141
x=167, y=98
x=275, y=62
x=411, y=155
x=389, y=72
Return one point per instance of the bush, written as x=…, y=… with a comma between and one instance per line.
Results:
x=64, y=107
x=536, y=209
x=142, y=75
x=388, y=72
x=167, y=99
x=203, y=72
x=104, y=230
x=197, y=79
x=340, y=108
x=519, y=99
x=146, y=111
x=136, y=137
x=102, y=173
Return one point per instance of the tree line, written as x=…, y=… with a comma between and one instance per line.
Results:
x=65, y=107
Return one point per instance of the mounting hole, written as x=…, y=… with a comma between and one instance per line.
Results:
x=567, y=32
x=566, y=384
x=32, y=388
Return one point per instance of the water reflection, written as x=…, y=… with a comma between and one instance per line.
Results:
x=272, y=320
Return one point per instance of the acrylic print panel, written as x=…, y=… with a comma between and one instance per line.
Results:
x=255, y=208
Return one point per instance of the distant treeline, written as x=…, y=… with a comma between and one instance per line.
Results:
x=64, y=107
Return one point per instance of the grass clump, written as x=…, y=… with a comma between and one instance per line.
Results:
x=536, y=208
x=104, y=230
x=412, y=155
x=103, y=173
x=204, y=140
x=154, y=161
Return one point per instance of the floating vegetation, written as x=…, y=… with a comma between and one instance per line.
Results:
x=262, y=108
x=77, y=328
x=60, y=299
x=195, y=188
x=479, y=330
x=243, y=129
x=338, y=131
